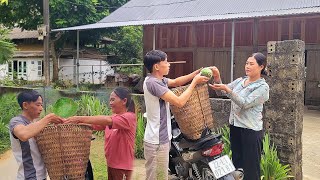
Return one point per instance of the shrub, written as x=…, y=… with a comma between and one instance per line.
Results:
x=10, y=108
x=271, y=168
x=4, y=138
x=225, y=131
x=91, y=106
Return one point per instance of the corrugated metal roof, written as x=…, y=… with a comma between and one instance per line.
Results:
x=146, y=12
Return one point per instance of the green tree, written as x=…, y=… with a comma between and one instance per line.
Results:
x=127, y=48
x=6, y=47
x=63, y=13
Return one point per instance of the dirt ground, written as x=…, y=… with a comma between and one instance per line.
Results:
x=310, y=154
x=311, y=145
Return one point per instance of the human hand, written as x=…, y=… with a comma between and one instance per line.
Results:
x=52, y=118
x=220, y=87
x=215, y=71
x=73, y=120
x=198, y=79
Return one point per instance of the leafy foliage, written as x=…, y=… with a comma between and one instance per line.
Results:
x=6, y=47
x=128, y=45
x=11, y=109
x=66, y=13
x=4, y=2
x=225, y=131
x=4, y=137
x=91, y=106
x=139, y=136
x=271, y=168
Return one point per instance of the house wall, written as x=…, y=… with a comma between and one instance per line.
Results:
x=3, y=71
x=88, y=70
x=31, y=69
x=210, y=44
x=30, y=47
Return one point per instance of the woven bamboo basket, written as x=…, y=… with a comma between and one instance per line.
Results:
x=65, y=149
x=196, y=114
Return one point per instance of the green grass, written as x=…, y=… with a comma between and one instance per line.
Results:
x=97, y=158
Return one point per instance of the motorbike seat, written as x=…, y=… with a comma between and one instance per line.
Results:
x=201, y=143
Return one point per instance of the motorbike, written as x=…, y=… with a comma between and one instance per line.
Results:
x=201, y=159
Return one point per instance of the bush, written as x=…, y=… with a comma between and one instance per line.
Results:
x=4, y=138
x=10, y=108
x=225, y=131
x=91, y=106
x=271, y=168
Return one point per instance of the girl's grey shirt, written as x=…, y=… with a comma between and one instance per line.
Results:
x=247, y=103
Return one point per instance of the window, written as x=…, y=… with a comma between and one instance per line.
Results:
x=39, y=68
x=17, y=69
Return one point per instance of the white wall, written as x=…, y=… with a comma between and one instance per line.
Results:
x=31, y=69
x=3, y=71
x=85, y=72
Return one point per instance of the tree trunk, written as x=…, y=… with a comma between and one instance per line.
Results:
x=54, y=62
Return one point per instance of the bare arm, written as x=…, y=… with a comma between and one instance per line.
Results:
x=24, y=133
x=96, y=120
x=182, y=80
x=181, y=100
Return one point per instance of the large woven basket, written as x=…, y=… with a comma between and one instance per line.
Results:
x=196, y=114
x=65, y=149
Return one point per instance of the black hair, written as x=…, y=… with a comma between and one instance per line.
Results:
x=262, y=61
x=28, y=96
x=124, y=93
x=153, y=57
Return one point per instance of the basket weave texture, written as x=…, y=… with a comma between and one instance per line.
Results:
x=196, y=114
x=65, y=149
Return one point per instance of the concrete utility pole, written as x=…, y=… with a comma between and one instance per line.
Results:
x=46, y=54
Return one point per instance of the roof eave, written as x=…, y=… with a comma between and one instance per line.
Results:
x=301, y=11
